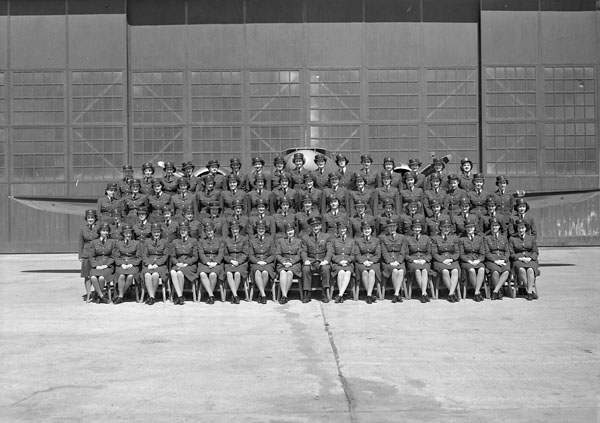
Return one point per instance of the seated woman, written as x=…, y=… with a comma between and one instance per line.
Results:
x=211, y=251
x=367, y=254
x=524, y=255
x=445, y=252
x=184, y=259
x=101, y=261
x=262, y=257
x=155, y=255
x=229, y=197
x=128, y=256
x=235, y=260
x=472, y=253
x=418, y=257
x=393, y=252
x=497, y=256
x=287, y=255
x=342, y=260
x=87, y=234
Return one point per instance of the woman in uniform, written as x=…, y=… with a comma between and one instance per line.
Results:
x=278, y=171
x=445, y=251
x=287, y=254
x=183, y=199
x=283, y=190
x=262, y=258
x=411, y=192
x=157, y=201
x=386, y=192
x=106, y=204
x=133, y=201
x=497, y=257
x=524, y=256
x=258, y=164
x=388, y=168
x=188, y=172
x=155, y=256
x=393, y=252
x=102, y=261
x=336, y=190
x=235, y=260
x=128, y=256
x=367, y=254
x=184, y=259
x=211, y=251
x=472, y=253
x=367, y=171
x=360, y=193
x=284, y=216
x=206, y=196
x=142, y=228
x=87, y=234
x=230, y=196
x=236, y=166
x=346, y=177
x=454, y=195
x=342, y=260
x=418, y=257
x=147, y=178
x=169, y=180
x=259, y=193
x=520, y=215
x=213, y=170
x=466, y=177
x=414, y=165
x=297, y=174
x=334, y=215
x=435, y=193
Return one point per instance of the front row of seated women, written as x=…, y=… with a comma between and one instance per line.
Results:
x=371, y=260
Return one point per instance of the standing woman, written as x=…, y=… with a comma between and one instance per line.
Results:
x=206, y=196
x=211, y=251
x=386, y=191
x=524, y=255
x=521, y=216
x=418, y=257
x=134, y=201
x=393, y=252
x=107, y=204
x=184, y=256
x=235, y=260
x=169, y=180
x=147, y=178
x=183, y=199
x=445, y=251
x=278, y=171
x=497, y=257
x=155, y=256
x=466, y=178
x=158, y=201
x=101, y=261
x=367, y=254
x=346, y=177
x=287, y=254
x=342, y=260
x=367, y=172
x=262, y=257
x=229, y=197
x=472, y=253
x=128, y=256
x=87, y=234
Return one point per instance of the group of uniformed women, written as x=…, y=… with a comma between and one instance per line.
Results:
x=371, y=227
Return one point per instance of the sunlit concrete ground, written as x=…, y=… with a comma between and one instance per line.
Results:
x=501, y=361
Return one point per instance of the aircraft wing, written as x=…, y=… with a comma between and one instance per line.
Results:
x=75, y=206
x=537, y=200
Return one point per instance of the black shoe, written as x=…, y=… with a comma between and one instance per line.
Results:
x=118, y=300
x=495, y=296
x=400, y=299
x=451, y=298
x=395, y=299
x=325, y=298
x=282, y=300
x=338, y=299
x=236, y=299
x=263, y=299
x=535, y=296
x=285, y=299
x=181, y=300
x=150, y=301
x=104, y=300
x=211, y=300
x=530, y=296
x=369, y=299
x=423, y=298
x=306, y=297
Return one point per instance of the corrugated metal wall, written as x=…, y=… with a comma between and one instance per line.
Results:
x=89, y=85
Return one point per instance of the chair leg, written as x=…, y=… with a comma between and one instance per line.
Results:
x=223, y=291
x=355, y=290
x=142, y=293
x=381, y=290
x=248, y=289
x=200, y=292
x=88, y=289
x=409, y=284
x=109, y=291
x=274, y=290
x=194, y=289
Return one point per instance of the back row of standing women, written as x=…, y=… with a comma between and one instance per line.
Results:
x=441, y=213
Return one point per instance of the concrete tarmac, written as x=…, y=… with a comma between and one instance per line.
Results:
x=501, y=361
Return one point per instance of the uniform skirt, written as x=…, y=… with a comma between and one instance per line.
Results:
x=161, y=270
x=387, y=269
x=412, y=267
x=467, y=266
x=375, y=267
x=107, y=273
x=242, y=269
x=493, y=267
x=85, y=267
x=269, y=268
x=218, y=269
x=439, y=266
x=531, y=265
x=295, y=269
x=335, y=268
x=190, y=272
x=135, y=270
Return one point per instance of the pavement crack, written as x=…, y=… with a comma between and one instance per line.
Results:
x=54, y=388
x=345, y=384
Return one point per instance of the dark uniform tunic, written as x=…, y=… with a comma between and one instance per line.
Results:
x=211, y=250
x=367, y=249
x=297, y=176
x=219, y=223
x=321, y=178
x=529, y=224
x=255, y=196
x=524, y=247
x=459, y=221
x=504, y=202
x=240, y=219
x=142, y=230
x=100, y=253
x=486, y=220
x=318, y=199
x=228, y=198
x=170, y=183
x=496, y=248
x=370, y=177
x=302, y=220
x=330, y=220
x=279, y=193
x=382, y=194
x=204, y=197
x=478, y=200
x=185, y=252
x=393, y=248
x=340, y=193
x=169, y=230
x=465, y=181
x=471, y=249
x=106, y=207
x=251, y=178
x=269, y=224
x=440, y=196
x=282, y=220
x=406, y=221
x=217, y=177
x=116, y=231
x=407, y=195
x=262, y=249
x=433, y=224
x=346, y=178
x=146, y=186
x=366, y=196
x=155, y=252
x=157, y=203
x=418, y=249
x=453, y=200
x=356, y=222
x=342, y=249
x=132, y=202
x=288, y=250
x=382, y=221
x=180, y=202
x=127, y=253
x=236, y=249
x=315, y=248
x=442, y=249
